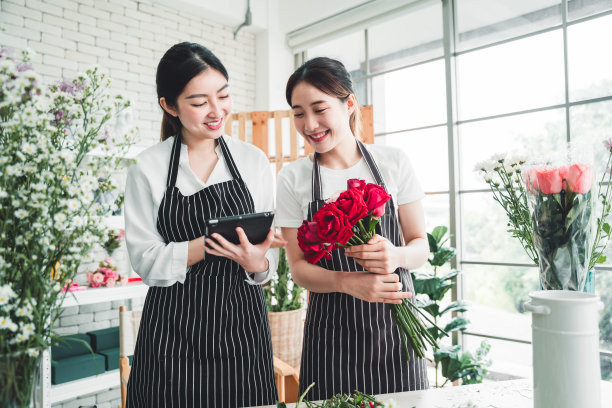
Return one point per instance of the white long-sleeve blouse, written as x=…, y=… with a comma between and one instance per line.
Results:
x=161, y=264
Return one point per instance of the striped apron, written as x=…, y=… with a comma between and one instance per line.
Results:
x=206, y=342
x=350, y=344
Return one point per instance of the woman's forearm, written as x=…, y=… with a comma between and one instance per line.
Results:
x=414, y=254
x=195, y=251
x=315, y=278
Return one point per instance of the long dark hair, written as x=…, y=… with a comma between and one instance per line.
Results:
x=331, y=77
x=177, y=67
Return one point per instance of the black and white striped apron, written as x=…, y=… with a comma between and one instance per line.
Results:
x=350, y=344
x=206, y=342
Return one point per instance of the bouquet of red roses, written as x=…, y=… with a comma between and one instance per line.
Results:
x=351, y=219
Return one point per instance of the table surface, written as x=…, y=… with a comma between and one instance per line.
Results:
x=498, y=394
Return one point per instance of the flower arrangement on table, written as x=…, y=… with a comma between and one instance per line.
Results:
x=351, y=219
x=55, y=142
x=106, y=275
x=552, y=211
x=355, y=400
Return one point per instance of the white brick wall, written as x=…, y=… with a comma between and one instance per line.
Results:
x=127, y=39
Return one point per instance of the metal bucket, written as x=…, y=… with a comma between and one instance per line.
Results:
x=565, y=327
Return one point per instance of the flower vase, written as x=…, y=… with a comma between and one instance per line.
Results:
x=20, y=380
x=589, y=283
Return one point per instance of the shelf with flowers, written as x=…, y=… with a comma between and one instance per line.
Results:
x=48, y=208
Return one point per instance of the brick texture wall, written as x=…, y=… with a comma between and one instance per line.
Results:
x=126, y=38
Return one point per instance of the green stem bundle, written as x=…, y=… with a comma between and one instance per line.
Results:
x=412, y=329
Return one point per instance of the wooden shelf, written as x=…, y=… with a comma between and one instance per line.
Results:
x=97, y=295
x=73, y=389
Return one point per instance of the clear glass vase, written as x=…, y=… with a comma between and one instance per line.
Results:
x=20, y=380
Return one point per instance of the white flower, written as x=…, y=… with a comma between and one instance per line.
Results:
x=24, y=312
x=87, y=197
x=516, y=161
x=498, y=157
x=73, y=205
x=390, y=404
x=27, y=329
x=21, y=213
x=77, y=222
x=60, y=217
x=33, y=352
x=6, y=323
x=19, y=240
x=3, y=194
x=19, y=338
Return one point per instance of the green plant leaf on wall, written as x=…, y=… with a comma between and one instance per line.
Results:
x=457, y=306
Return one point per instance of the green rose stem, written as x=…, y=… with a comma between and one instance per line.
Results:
x=413, y=329
x=598, y=250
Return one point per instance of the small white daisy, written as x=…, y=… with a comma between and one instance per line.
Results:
x=21, y=213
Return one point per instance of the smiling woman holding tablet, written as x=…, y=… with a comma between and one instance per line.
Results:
x=204, y=337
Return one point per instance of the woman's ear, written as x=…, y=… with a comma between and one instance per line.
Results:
x=165, y=106
x=351, y=102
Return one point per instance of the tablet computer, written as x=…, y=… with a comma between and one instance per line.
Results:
x=256, y=226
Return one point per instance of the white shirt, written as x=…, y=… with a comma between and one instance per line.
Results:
x=161, y=264
x=294, y=184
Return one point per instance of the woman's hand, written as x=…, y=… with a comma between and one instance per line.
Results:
x=373, y=287
x=251, y=257
x=379, y=255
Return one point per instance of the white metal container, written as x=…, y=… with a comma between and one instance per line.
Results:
x=565, y=327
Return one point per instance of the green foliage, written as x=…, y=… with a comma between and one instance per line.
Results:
x=282, y=293
x=355, y=400
x=458, y=365
x=431, y=290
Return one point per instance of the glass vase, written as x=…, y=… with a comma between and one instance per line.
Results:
x=20, y=380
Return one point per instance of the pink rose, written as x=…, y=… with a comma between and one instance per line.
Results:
x=110, y=283
x=110, y=274
x=97, y=277
x=579, y=178
x=89, y=276
x=94, y=284
x=123, y=280
x=121, y=235
x=109, y=261
x=549, y=180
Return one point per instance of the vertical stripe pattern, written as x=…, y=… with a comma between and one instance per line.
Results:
x=205, y=342
x=350, y=344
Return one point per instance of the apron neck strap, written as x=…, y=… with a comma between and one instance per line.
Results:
x=316, y=172
x=176, y=155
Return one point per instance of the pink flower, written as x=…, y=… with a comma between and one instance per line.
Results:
x=549, y=180
x=89, y=276
x=121, y=235
x=579, y=178
x=112, y=274
x=110, y=283
x=109, y=261
x=95, y=284
x=123, y=280
x=97, y=277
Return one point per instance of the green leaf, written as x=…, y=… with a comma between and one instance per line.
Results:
x=458, y=306
x=433, y=245
x=439, y=232
x=442, y=256
x=457, y=324
x=450, y=275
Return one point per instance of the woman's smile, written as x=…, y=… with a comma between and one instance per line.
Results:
x=214, y=125
x=318, y=137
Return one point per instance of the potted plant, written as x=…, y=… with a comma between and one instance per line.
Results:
x=430, y=289
x=285, y=300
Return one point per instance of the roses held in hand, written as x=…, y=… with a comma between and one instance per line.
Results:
x=349, y=220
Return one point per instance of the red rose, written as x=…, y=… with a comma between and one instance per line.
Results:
x=375, y=198
x=310, y=243
x=351, y=203
x=333, y=226
x=549, y=180
x=579, y=178
x=356, y=184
